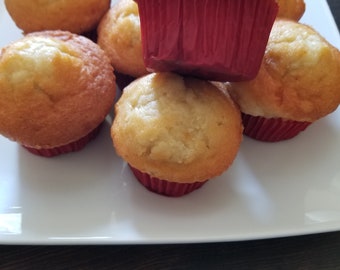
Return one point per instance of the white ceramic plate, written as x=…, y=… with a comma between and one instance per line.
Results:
x=272, y=190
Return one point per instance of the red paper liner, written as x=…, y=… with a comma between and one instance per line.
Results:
x=67, y=148
x=164, y=187
x=220, y=40
x=271, y=129
x=123, y=80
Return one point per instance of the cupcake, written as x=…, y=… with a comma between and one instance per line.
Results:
x=75, y=16
x=56, y=88
x=222, y=40
x=175, y=132
x=298, y=83
x=291, y=9
x=119, y=36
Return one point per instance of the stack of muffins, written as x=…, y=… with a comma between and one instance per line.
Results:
x=271, y=70
x=197, y=76
x=174, y=127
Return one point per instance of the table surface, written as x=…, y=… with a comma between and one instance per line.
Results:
x=318, y=251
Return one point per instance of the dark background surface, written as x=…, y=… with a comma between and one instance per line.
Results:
x=319, y=251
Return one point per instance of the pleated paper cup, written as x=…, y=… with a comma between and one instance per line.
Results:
x=164, y=187
x=271, y=129
x=67, y=148
x=222, y=40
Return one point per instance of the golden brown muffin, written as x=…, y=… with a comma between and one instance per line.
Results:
x=55, y=87
x=291, y=9
x=176, y=128
x=120, y=37
x=74, y=16
x=298, y=80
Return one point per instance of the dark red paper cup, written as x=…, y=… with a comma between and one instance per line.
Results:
x=67, y=148
x=271, y=129
x=164, y=187
x=220, y=40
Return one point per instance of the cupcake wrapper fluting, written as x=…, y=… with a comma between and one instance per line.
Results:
x=222, y=40
x=64, y=149
x=271, y=129
x=164, y=187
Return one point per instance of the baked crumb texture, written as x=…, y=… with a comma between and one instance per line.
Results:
x=55, y=87
x=75, y=16
x=291, y=9
x=176, y=128
x=119, y=35
x=299, y=77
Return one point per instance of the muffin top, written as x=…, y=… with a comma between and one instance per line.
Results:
x=74, y=16
x=119, y=35
x=55, y=87
x=299, y=77
x=291, y=9
x=176, y=128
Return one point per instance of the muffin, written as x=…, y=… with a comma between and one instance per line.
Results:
x=291, y=9
x=74, y=16
x=119, y=36
x=175, y=132
x=298, y=83
x=221, y=40
x=56, y=88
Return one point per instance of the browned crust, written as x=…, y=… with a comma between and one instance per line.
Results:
x=120, y=37
x=291, y=9
x=59, y=102
x=74, y=16
x=178, y=129
x=299, y=77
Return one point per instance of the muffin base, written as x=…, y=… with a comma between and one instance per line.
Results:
x=271, y=129
x=164, y=187
x=192, y=46
x=67, y=148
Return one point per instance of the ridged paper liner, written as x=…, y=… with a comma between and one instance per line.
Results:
x=164, y=187
x=67, y=148
x=220, y=40
x=271, y=129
